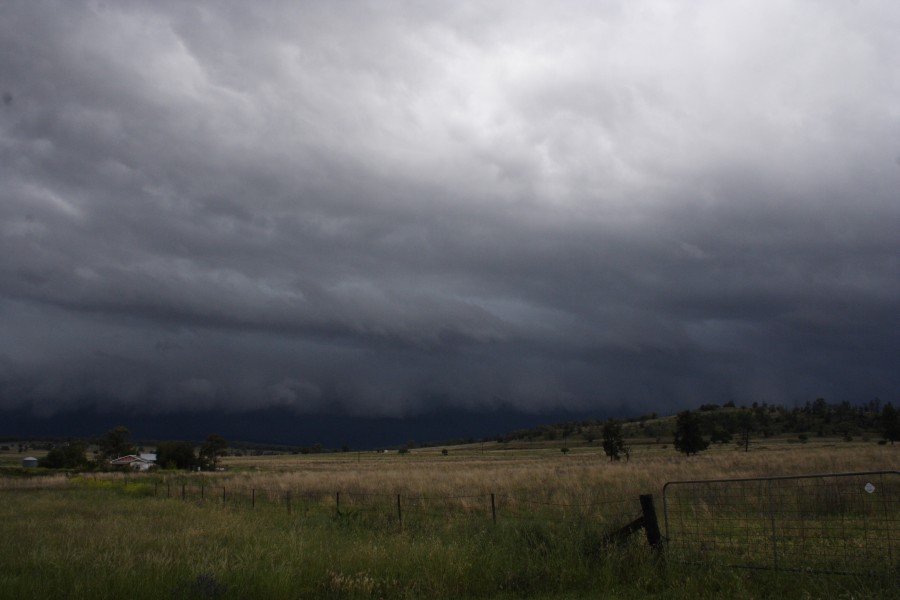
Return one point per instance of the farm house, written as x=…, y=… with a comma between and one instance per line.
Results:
x=136, y=462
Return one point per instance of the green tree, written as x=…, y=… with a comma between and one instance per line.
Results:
x=613, y=440
x=176, y=455
x=688, y=437
x=890, y=424
x=66, y=456
x=115, y=443
x=214, y=447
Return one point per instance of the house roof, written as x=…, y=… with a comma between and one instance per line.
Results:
x=128, y=459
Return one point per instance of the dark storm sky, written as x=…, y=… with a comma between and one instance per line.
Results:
x=382, y=208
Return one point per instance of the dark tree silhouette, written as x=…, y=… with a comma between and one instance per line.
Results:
x=214, y=447
x=176, y=455
x=66, y=456
x=688, y=437
x=745, y=428
x=115, y=443
x=613, y=440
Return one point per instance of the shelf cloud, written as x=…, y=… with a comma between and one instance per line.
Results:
x=391, y=208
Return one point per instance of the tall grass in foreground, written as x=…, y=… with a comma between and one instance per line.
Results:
x=92, y=538
x=100, y=542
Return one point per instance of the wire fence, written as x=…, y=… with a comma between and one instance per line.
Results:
x=834, y=523
x=405, y=509
x=845, y=523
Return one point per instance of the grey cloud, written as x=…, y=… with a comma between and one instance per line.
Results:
x=377, y=209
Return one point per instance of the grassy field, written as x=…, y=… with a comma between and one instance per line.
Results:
x=92, y=537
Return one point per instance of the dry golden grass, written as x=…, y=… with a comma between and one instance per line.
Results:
x=577, y=475
x=102, y=540
x=34, y=483
x=584, y=474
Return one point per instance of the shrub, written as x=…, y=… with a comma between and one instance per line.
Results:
x=139, y=490
x=66, y=456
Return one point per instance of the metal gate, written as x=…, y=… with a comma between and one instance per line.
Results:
x=832, y=523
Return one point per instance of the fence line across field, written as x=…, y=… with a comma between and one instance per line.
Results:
x=831, y=523
x=843, y=523
x=494, y=505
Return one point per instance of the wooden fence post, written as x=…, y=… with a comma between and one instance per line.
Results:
x=399, y=512
x=493, y=509
x=647, y=521
x=651, y=524
x=253, y=498
x=337, y=503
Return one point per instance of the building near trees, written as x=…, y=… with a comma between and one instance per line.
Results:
x=136, y=462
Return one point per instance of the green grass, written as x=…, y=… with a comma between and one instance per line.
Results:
x=96, y=539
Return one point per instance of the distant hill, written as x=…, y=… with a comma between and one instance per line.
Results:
x=283, y=431
x=725, y=423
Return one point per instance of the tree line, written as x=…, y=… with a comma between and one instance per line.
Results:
x=117, y=443
x=693, y=431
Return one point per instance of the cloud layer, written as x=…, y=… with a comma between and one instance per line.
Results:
x=381, y=208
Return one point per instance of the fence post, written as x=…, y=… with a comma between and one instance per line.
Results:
x=337, y=503
x=253, y=498
x=202, y=491
x=399, y=512
x=651, y=525
x=772, y=519
x=493, y=509
x=223, y=495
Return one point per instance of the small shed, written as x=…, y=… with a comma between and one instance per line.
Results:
x=29, y=462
